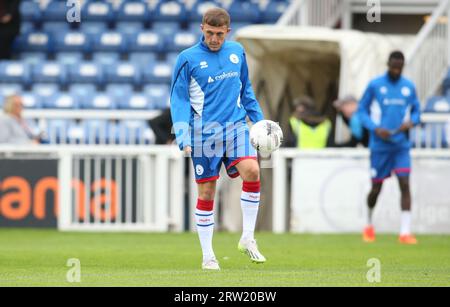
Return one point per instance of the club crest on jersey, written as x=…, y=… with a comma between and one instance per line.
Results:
x=234, y=59
x=199, y=170
x=406, y=91
x=203, y=64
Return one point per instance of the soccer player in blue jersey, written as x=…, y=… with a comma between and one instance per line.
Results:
x=389, y=108
x=211, y=96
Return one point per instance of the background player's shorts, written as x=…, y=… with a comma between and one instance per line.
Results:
x=233, y=151
x=383, y=163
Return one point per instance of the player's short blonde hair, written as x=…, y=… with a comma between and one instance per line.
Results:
x=216, y=17
x=8, y=104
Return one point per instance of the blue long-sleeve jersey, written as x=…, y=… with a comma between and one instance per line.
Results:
x=211, y=88
x=388, y=104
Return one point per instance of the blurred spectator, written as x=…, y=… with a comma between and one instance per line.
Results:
x=308, y=129
x=348, y=107
x=162, y=127
x=9, y=26
x=13, y=129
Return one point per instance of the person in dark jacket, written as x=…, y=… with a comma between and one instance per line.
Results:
x=162, y=127
x=9, y=26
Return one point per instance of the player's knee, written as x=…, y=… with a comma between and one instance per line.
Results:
x=252, y=174
x=207, y=194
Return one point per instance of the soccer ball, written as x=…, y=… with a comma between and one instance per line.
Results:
x=266, y=136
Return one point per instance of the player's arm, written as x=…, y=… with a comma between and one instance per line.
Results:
x=415, y=113
x=180, y=107
x=248, y=98
x=364, y=113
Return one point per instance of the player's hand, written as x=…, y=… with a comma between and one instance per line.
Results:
x=406, y=126
x=383, y=133
x=187, y=151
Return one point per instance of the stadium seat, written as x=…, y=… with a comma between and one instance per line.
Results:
x=171, y=58
x=182, y=40
x=437, y=104
x=82, y=92
x=166, y=29
x=98, y=131
x=99, y=101
x=106, y=58
x=147, y=41
x=244, y=11
x=36, y=41
x=31, y=101
x=128, y=28
x=273, y=11
x=72, y=42
x=26, y=27
x=110, y=42
x=30, y=11
x=142, y=59
x=93, y=28
x=159, y=93
x=45, y=91
x=134, y=132
x=54, y=27
x=123, y=72
x=97, y=11
x=50, y=72
x=133, y=10
x=136, y=102
x=86, y=72
x=170, y=11
x=194, y=27
x=160, y=72
x=199, y=8
x=119, y=91
x=69, y=58
x=32, y=58
x=61, y=101
x=55, y=11
x=15, y=72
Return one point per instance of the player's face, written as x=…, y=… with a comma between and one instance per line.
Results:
x=215, y=36
x=395, y=68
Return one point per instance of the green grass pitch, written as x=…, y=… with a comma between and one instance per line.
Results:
x=39, y=258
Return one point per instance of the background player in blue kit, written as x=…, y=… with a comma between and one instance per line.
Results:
x=389, y=108
x=211, y=96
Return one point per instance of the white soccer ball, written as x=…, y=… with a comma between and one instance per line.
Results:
x=266, y=136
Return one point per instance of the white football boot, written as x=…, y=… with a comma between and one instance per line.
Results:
x=211, y=265
x=250, y=248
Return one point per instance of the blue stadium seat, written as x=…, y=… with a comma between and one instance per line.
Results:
x=119, y=92
x=128, y=28
x=61, y=101
x=86, y=72
x=244, y=11
x=54, y=27
x=147, y=41
x=93, y=28
x=437, y=104
x=36, y=41
x=106, y=58
x=72, y=41
x=199, y=8
x=171, y=58
x=32, y=58
x=55, y=11
x=194, y=27
x=26, y=27
x=167, y=29
x=170, y=11
x=123, y=72
x=274, y=10
x=110, y=42
x=133, y=10
x=159, y=93
x=45, y=91
x=30, y=11
x=99, y=101
x=31, y=101
x=69, y=58
x=142, y=59
x=136, y=102
x=15, y=72
x=82, y=92
x=182, y=40
x=160, y=72
x=50, y=72
x=97, y=11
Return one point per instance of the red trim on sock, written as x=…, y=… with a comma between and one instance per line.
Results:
x=251, y=187
x=205, y=205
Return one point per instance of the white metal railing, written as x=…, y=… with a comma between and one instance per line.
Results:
x=318, y=165
x=322, y=13
x=428, y=60
x=120, y=188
